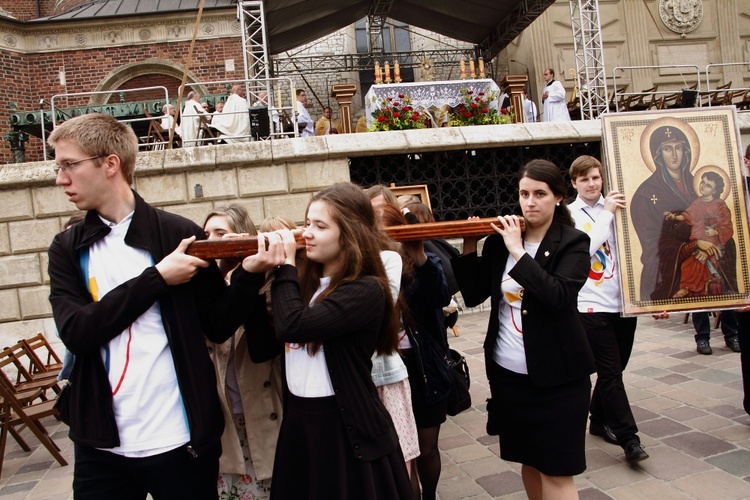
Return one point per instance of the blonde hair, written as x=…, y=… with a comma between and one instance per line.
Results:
x=276, y=222
x=237, y=216
x=100, y=135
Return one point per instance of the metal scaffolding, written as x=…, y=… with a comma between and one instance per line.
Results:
x=254, y=42
x=587, y=44
x=376, y=20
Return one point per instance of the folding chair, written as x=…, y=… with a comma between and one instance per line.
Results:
x=49, y=361
x=14, y=364
x=15, y=413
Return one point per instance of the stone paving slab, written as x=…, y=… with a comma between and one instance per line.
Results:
x=688, y=408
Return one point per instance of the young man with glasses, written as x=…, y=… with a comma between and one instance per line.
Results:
x=134, y=308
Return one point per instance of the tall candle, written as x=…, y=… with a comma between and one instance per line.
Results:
x=472, y=72
x=396, y=72
x=481, y=67
x=463, y=70
x=387, y=72
x=378, y=75
x=278, y=97
x=294, y=98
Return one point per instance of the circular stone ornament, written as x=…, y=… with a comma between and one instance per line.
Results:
x=681, y=16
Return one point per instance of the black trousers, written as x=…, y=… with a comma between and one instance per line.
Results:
x=702, y=324
x=611, y=339
x=743, y=335
x=172, y=475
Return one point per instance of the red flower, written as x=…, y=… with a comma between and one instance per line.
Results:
x=485, y=110
x=396, y=104
x=467, y=115
x=415, y=117
x=469, y=92
x=504, y=111
x=477, y=99
x=406, y=108
x=481, y=93
x=401, y=96
x=389, y=99
x=396, y=114
x=474, y=105
x=382, y=118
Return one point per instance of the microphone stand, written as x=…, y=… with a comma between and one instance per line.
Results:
x=528, y=77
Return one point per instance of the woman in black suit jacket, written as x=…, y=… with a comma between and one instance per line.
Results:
x=537, y=357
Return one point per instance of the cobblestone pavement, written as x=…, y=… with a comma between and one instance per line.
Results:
x=688, y=408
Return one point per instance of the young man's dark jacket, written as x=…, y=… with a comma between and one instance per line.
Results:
x=203, y=306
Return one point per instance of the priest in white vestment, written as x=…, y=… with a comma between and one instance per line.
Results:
x=190, y=121
x=555, y=108
x=233, y=123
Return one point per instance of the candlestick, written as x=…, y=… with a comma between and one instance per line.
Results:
x=294, y=99
x=378, y=74
x=278, y=97
x=396, y=72
x=481, y=67
x=387, y=72
x=463, y=70
x=472, y=72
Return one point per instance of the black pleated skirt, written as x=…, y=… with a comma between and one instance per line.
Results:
x=314, y=459
x=541, y=427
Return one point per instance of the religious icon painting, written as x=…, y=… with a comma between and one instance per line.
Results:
x=683, y=235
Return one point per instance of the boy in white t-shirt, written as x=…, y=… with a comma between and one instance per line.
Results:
x=134, y=308
x=610, y=335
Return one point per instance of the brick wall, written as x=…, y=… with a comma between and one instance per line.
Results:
x=27, y=78
x=23, y=10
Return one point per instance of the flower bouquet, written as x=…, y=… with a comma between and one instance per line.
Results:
x=397, y=113
x=477, y=110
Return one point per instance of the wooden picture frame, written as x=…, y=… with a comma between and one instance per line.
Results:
x=683, y=246
x=419, y=190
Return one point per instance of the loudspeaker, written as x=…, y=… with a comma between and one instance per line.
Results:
x=260, y=127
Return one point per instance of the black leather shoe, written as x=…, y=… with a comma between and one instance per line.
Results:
x=703, y=347
x=635, y=453
x=603, y=431
x=733, y=344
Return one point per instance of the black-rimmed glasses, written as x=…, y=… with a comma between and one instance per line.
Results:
x=66, y=165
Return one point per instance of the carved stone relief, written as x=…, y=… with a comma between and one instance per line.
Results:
x=681, y=16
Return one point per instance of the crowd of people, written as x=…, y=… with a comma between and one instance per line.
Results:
x=318, y=371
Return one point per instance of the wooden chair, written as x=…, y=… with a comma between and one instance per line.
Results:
x=720, y=96
x=157, y=137
x=645, y=99
x=612, y=105
x=49, y=361
x=206, y=134
x=16, y=370
x=17, y=414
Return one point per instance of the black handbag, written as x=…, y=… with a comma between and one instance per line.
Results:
x=459, y=398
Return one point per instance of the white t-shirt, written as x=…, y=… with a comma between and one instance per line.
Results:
x=307, y=376
x=509, y=351
x=148, y=407
x=601, y=292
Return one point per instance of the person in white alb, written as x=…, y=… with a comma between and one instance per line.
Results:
x=610, y=335
x=233, y=123
x=304, y=121
x=190, y=120
x=529, y=108
x=555, y=108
